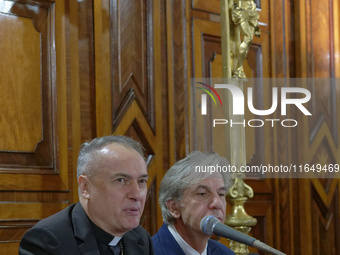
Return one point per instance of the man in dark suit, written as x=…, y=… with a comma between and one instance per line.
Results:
x=112, y=185
x=188, y=193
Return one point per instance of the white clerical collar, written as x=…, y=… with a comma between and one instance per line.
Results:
x=115, y=241
x=188, y=250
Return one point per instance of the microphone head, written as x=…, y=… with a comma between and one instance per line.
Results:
x=208, y=223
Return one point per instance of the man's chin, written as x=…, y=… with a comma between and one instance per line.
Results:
x=132, y=223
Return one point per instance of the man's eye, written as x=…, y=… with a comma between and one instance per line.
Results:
x=143, y=181
x=202, y=194
x=120, y=180
x=222, y=194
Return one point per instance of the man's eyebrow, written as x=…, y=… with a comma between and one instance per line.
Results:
x=222, y=188
x=128, y=176
x=203, y=187
x=121, y=175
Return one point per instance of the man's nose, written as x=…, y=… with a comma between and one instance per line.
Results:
x=216, y=202
x=135, y=191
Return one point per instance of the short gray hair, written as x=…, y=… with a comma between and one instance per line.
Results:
x=88, y=151
x=183, y=175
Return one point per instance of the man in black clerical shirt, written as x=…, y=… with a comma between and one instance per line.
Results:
x=112, y=186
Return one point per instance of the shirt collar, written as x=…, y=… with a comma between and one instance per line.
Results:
x=188, y=250
x=115, y=240
x=104, y=237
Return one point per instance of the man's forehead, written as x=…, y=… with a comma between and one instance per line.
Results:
x=117, y=149
x=106, y=150
x=114, y=147
x=209, y=182
x=117, y=153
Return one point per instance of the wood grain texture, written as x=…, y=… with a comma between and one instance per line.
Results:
x=102, y=66
x=86, y=72
x=319, y=202
x=22, y=216
x=148, y=218
x=48, y=155
x=21, y=86
x=283, y=139
x=207, y=6
x=34, y=177
x=132, y=58
x=73, y=93
x=9, y=248
x=321, y=64
x=326, y=225
x=180, y=85
x=28, y=118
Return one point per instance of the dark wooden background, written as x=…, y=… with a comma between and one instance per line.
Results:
x=73, y=70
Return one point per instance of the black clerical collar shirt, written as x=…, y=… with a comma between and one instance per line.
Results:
x=103, y=239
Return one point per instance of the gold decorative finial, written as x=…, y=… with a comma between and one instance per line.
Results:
x=238, y=218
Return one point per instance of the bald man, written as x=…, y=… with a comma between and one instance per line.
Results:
x=112, y=186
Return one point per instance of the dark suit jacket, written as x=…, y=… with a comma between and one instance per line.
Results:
x=165, y=244
x=70, y=232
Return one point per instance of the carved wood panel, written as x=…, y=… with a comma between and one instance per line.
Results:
x=34, y=101
x=132, y=57
x=34, y=177
x=28, y=119
x=321, y=64
x=326, y=225
x=132, y=46
x=318, y=141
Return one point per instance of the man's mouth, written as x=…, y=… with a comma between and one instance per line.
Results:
x=132, y=211
x=220, y=219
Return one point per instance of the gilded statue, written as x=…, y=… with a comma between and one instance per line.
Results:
x=245, y=18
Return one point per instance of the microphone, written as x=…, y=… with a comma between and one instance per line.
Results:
x=210, y=225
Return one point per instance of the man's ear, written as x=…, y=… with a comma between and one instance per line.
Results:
x=84, y=186
x=174, y=208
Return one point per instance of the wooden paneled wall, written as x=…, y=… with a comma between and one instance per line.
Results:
x=74, y=70
x=317, y=56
